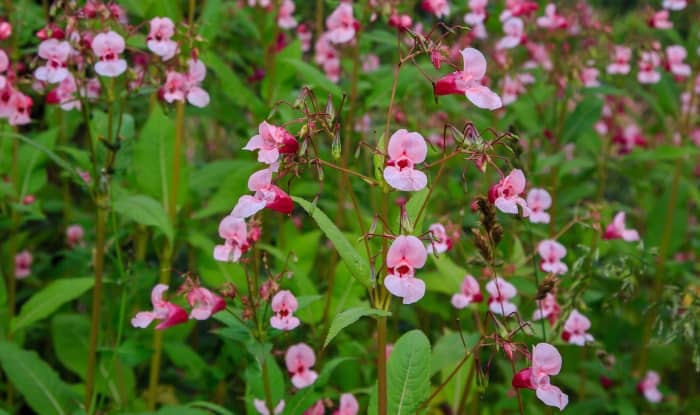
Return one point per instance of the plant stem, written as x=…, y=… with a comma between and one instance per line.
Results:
x=381, y=366
x=266, y=386
x=154, y=372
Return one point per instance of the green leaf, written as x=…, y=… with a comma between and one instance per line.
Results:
x=49, y=299
x=358, y=266
x=232, y=86
x=413, y=206
x=313, y=77
x=349, y=316
x=41, y=387
x=408, y=373
x=583, y=118
x=69, y=334
x=211, y=19
x=146, y=211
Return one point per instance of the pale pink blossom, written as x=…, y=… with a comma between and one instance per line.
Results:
x=547, y=308
x=328, y=57
x=674, y=4
x=174, y=87
x=74, y=235
x=284, y=304
x=304, y=35
x=65, y=94
x=539, y=200
x=440, y=242
x=300, y=358
x=539, y=56
x=551, y=253
x=477, y=12
x=285, y=18
x=675, y=57
x=20, y=108
x=204, y=303
x=370, y=62
x=271, y=141
x=500, y=293
x=551, y=20
x=348, y=405
x=659, y=20
x=649, y=387
x=405, y=255
x=23, y=264
x=620, y=60
x=648, y=63
x=108, y=48
x=589, y=77
x=469, y=292
x=512, y=88
x=469, y=81
x=196, y=72
x=56, y=54
x=440, y=8
x=5, y=30
x=267, y=195
x=159, y=39
x=576, y=329
x=506, y=193
x=234, y=232
x=546, y=362
x=406, y=149
x=618, y=229
x=169, y=313
x=514, y=28
x=341, y=24
x=261, y=3
x=260, y=405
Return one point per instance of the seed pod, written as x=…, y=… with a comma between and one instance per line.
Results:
x=336, y=146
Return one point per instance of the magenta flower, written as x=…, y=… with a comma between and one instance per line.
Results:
x=20, y=108
x=23, y=264
x=267, y=195
x=551, y=20
x=405, y=255
x=348, y=405
x=551, y=253
x=285, y=18
x=304, y=35
x=440, y=8
x=65, y=94
x=235, y=234
x=618, y=230
x=648, y=63
x=169, y=313
x=506, y=193
x=629, y=138
x=469, y=81
x=56, y=54
x=514, y=28
x=589, y=77
x=546, y=362
x=440, y=242
x=500, y=294
x=328, y=57
x=675, y=57
x=316, y=409
x=159, y=37
x=576, y=329
x=300, y=359
x=659, y=20
x=204, y=303
x=649, y=387
x=547, y=308
x=341, y=24
x=620, y=60
x=271, y=141
x=539, y=200
x=74, y=235
x=261, y=407
x=107, y=47
x=405, y=151
x=284, y=304
x=469, y=292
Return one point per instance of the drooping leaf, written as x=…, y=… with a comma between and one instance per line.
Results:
x=349, y=316
x=145, y=210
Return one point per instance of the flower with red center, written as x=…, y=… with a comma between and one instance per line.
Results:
x=551, y=253
x=341, y=24
x=547, y=308
x=65, y=94
x=285, y=18
x=440, y=242
x=440, y=8
x=648, y=63
x=551, y=20
x=539, y=200
x=74, y=235
x=505, y=194
x=546, y=362
x=629, y=138
x=304, y=35
x=56, y=54
x=271, y=141
x=204, y=303
x=576, y=329
x=169, y=313
x=649, y=387
x=620, y=60
x=234, y=232
x=618, y=230
x=108, y=48
x=469, y=292
x=500, y=294
x=23, y=264
x=469, y=81
x=405, y=151
x=159, y=37
x=675, y=57
x=659, y=20
x=300, y=359
x=20, y=107
x=348, y=405
x=589, y=77
x=267, y=195
x=477, y=12
x=284, y=304
x=405, y=255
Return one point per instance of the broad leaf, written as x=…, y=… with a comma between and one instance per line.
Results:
x=349, y=316
x=408, y=373
x=146, y=211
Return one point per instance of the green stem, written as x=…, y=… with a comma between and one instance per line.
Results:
x=266, y=386
x=381, y=366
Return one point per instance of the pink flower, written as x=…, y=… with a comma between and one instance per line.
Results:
x=317, y=409
x=468, y=81
x=65, y=94
x=440, y=8
x=506, y=193
x=300, y=359
x=370, y=62
x=23, y=264
x=261, y=407
x=649, y=387
x=539, y=200
x=108, y=46
x=551, y=20
x=514, y=28
x=469, y=292
x=629, y=138
x=512, y=88
x=589, y=77
x=674, y=4
x=546, y=362
x=348, y=405
x=193, y=78
x=20, y=107
x=405, y=151
x=285, y=20
x=405, y=255
x=267, y=195
x=539, y=55
x=169, y=313
x=576, y=329
x=204, y=303
x=620, y=61
x=271, y=141
x=440, y=242
x=341, y=24
x=401, y=22
x=675, y=55
x=501, y=291
x=159, y=38
x=618, y=230
x=5, y=30
x=648, y=63
x=547, y=308
x=328, y=57
x=518, y=8
x=234, y=232
x=659, y=20
x=284, y=304
x=74, y=235
x=477, y=12
x=56, y=54
x=174, y=88
x=304, y=35
x=551, y=253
